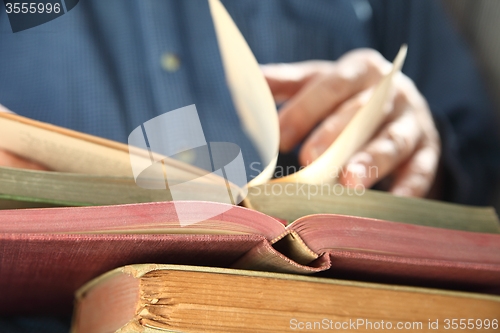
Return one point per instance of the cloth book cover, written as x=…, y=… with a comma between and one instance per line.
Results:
x=48, y=253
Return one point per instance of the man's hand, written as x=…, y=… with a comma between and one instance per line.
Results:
x=323, y=96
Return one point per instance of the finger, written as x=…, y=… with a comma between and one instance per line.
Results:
x=14, y=161
x=326, y=133
x=285, y=80
x=394, y=144
x=415, y=177
x=321, y=95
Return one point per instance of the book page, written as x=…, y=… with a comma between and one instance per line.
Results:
x=65, y=150
x=61, y=152
x=250, y=92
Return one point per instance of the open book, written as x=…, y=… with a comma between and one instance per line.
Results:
x=159, y=298
x=48, y=253
x=94, y=171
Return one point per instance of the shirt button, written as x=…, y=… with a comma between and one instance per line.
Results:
x=187, y=156
x=170, y=62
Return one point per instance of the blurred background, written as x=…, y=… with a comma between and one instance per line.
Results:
x=478, y=22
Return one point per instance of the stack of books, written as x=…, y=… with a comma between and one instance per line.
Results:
x=280, y=260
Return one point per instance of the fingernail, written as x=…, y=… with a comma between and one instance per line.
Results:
x=358, y=172
x=402, y=192
x=317, y=151
x=287, y=137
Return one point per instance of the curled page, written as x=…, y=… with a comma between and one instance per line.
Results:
x=250, y=92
